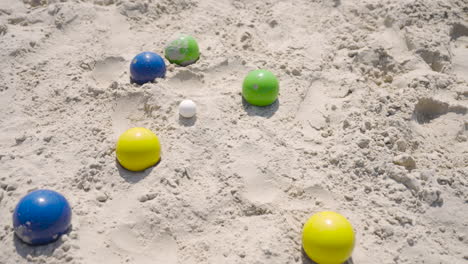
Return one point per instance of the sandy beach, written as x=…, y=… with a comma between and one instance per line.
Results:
x=371, y=122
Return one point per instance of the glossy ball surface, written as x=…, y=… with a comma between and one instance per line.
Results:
x=146, y=67
x=187, y=108
x=328, y=238
x=182, y=51
x=260, y=88
x=138, y=149
x=41, y=217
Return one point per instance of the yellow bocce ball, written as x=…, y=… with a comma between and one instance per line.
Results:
x=138, y=149
x=328, y=238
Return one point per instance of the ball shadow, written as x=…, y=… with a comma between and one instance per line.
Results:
x=187, y=122
x=263, y=111
x=307, y=260
x=132, y=81
x=26, y=250
x=134, y=176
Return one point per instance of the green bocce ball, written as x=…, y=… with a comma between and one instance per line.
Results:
x=182, y=51
x=260, y=88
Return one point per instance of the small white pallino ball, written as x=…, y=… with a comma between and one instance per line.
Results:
x=187, y=108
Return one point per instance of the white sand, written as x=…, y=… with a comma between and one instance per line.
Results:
x=371, y=122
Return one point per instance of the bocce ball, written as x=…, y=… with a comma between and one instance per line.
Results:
x=146, y=67
x=260, y=88
x=187, y=108
x=138, y=149
x=328, y=238
x=182, y=51
x=41, y=217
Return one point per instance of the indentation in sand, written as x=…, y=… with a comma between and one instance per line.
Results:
x=159, y=248
x=125, y=112
x=108, y=70
x=428, y=109
x=259, y=188
x=460, y=57
x=186, y=80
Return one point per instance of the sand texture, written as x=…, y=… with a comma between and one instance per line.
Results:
x=371, y=122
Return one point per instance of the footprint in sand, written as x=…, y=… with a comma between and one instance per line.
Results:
x=459, y=45
x=428, y=109
x=108, y=70
x=126, y=110
x=259, y=188
x=440, y=121
x=134, y=242
x=310, y=111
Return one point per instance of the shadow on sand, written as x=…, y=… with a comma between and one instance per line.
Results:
x=263, y=111
x=307, y=260
x=27, y=251
x=187, y=122
x=134, y=176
